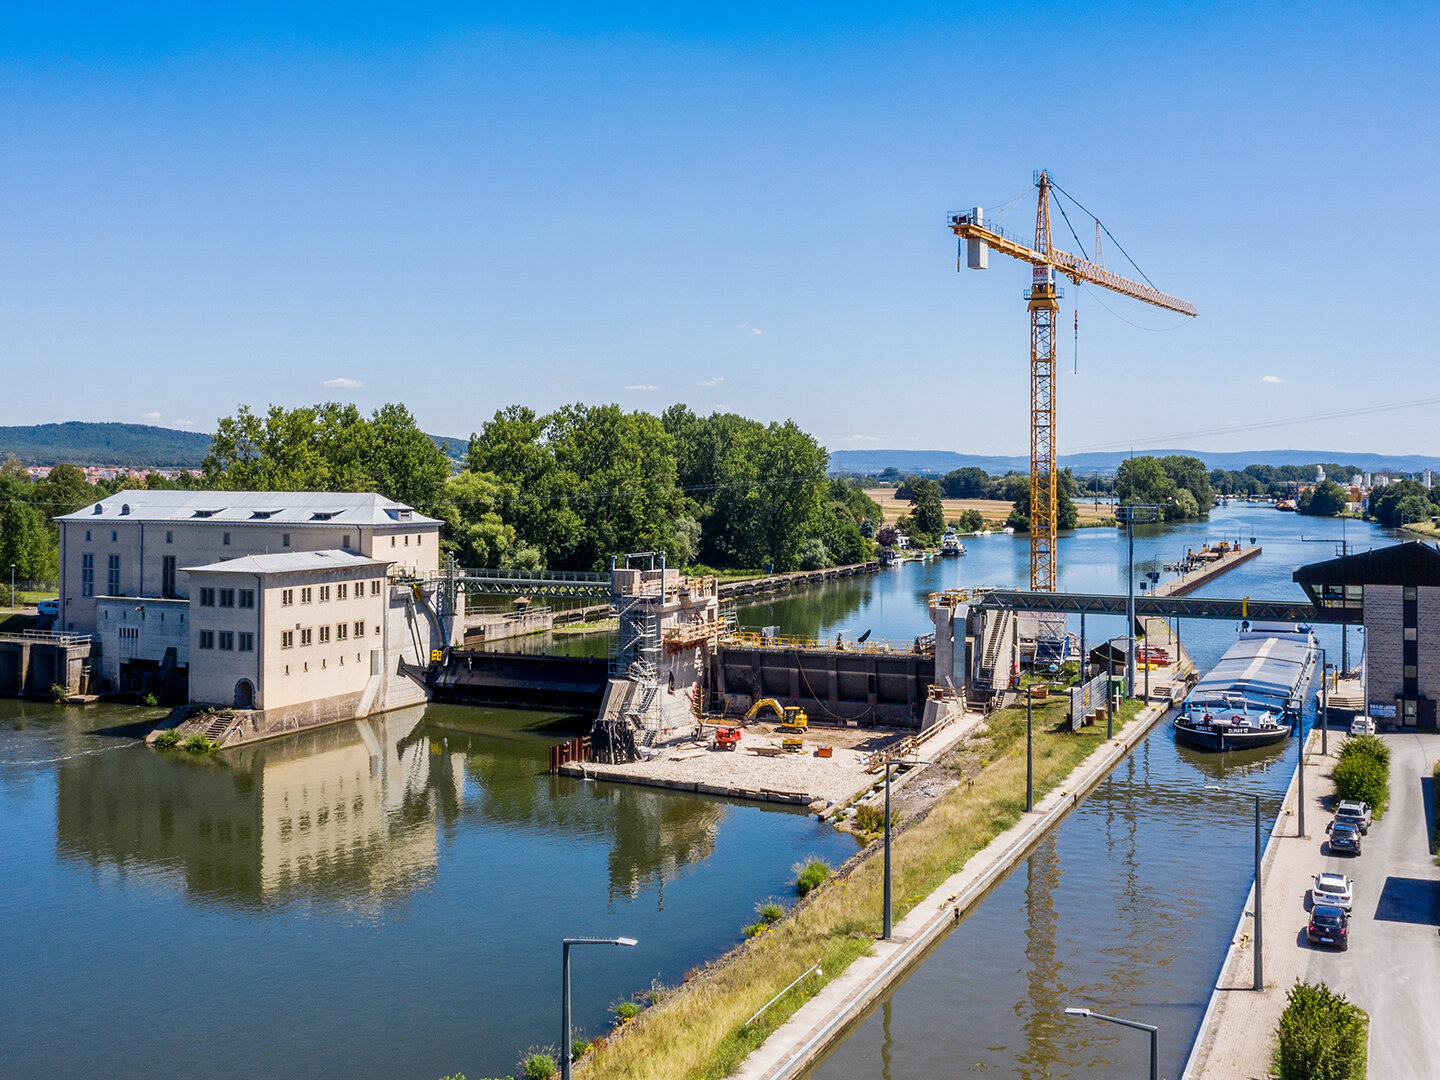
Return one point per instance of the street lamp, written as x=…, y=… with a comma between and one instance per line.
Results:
x=1130, y=513
x=889, y=763
x=1151, y=1028
x=565, y=1045
x=1259, y=981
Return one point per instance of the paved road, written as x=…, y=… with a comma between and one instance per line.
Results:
x=1392, y=969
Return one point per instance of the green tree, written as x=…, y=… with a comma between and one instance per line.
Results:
x=966, y=483
x=477, y=533
x=1401, y=501
x=929, y=511
x=1326, y=499
x=970, y=521
x=1018, y=492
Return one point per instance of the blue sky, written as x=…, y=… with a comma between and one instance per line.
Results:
x=460, y=207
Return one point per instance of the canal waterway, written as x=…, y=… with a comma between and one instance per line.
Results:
x=1129, y=905
x=386, y=898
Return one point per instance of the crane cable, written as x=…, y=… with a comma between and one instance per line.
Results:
x=1108, y=233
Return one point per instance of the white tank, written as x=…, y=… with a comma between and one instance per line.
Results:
x=977, y=252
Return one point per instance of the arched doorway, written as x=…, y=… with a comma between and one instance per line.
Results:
x=244, y=694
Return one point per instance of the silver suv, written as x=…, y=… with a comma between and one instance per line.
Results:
x=1350, y=812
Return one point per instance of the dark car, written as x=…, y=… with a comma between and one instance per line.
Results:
x=1344, y=839
x=1329, y=926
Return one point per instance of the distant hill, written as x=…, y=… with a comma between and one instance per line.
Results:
x=133, y=446
x=944, y=461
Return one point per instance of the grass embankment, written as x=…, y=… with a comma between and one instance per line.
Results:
x=696, y=1033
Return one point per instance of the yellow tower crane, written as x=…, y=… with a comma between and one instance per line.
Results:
x=1045, y=261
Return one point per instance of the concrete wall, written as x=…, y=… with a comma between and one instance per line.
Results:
x=135, y=629
x=1385, y=641
x=142, y=548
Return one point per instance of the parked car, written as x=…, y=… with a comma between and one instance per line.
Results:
x=1344, y=839
x=1352, y=812
x=1329, y=926
x=1362, y=725
x=49, y=607
x=1332, y=890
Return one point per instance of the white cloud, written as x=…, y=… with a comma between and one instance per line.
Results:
x=642, y=386
x=184, y=423
x=748, y=329
x=342, y=384
x=714, y=380
x=861, y=438
x=150, y=417
x=1271, y=378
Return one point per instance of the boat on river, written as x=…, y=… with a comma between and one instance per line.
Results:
x=1228, y=722
x=1255, y=695
x=950, y=544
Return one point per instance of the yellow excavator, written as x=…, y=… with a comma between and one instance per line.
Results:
x=792, y=718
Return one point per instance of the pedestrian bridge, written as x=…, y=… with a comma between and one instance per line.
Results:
x=1166, y=607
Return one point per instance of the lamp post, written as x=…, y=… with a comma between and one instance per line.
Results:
x=1259, y=981
x=887, y=919
x=1151, y=1028
x=1324, y=704
x=1300, y=774
x=565, y=1045
x=12, y=585
x=1029, y=751
x=1130, y=513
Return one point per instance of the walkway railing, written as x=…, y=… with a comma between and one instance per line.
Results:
x=46, y=637
x=920, y=646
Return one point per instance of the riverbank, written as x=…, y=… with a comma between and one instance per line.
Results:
x=700, y=1031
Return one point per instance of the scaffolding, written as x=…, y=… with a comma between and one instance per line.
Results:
x=639, y=602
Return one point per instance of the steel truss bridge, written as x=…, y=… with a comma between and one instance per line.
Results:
x=1165, y=607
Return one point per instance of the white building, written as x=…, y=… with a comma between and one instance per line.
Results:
x=134, y=544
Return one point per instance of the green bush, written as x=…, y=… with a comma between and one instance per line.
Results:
x=869, y=818
x=168, y=739
x=151, y=700
x=60, y=692
x=1371, y=746
x=627, y=1010
x=538, y=1066
x=198, y=744
x=809, y=875
x=771, y=912
x=578, y=1048
x=756, y=928
x=1321, y=1036
x=1359, y=776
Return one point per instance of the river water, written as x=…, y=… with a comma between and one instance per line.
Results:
x=386, y=898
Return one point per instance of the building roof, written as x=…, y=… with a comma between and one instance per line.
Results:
x=295, y=508
x=1412, y=563
x=289, y=562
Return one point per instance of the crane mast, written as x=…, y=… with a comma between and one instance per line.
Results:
x=1043, y=298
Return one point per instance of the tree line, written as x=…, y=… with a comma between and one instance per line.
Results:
x=564, y=490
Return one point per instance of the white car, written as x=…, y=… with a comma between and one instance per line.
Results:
x=1333, y=890
x=1362, y=725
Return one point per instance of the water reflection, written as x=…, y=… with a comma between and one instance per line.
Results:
x=344, y=812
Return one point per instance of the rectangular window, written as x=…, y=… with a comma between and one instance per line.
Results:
x=112, y=577
x=87, y=536
x=114, y=536
x=1408, y=633
x=287, y=639
x=226, y=540
x=167, y=577
x=407, y=539
x=305, y=595
x=341, y=631
x=207, y=639
x=1409, y=671
x=227, y=597
x=324, y=635
x=247, y=642
x=207, y=597
x=247, y=598
x=345, y=542
x=360, y=628
x=1407, y=592
x=419, y=537
x=227, y=640
x=87, y=574
x=287, y=597
x=284, y=539
x=342, y=591
x=392, y=541
x=375, y=587
x=324, y=594
x=305, y=636
x=169, y=536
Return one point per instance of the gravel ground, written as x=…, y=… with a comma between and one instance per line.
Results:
x=825, y=780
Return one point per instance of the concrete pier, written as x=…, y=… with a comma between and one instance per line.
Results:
x=1188, y=582
x=34, y=661
x=797, y=580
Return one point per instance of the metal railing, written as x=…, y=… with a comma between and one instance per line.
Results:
x=47, y=637
x=920, y=646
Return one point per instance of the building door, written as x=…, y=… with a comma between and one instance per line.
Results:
x=244, y=694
